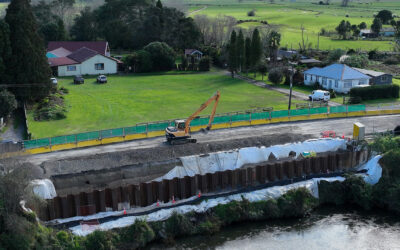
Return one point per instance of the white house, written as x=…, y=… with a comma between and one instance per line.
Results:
x=83, y=61
x=338, y=77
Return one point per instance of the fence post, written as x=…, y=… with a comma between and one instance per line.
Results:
x=250, y=117
x=123, y=133
x=347, y=110
x=50, y=142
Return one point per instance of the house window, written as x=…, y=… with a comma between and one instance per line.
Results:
x=306, y=76
x=324, y=81
x=362, y=82
x=384, y=78
x=71, y=68
x=99, y=66
x=336, y=84
x=348, y=84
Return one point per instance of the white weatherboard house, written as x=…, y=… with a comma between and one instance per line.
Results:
x=338, y=77
x=75, y=60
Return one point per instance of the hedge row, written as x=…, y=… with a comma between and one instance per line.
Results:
x=375, y=92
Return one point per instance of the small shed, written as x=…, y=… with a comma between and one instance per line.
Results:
x=197, y=54
x=377, y=78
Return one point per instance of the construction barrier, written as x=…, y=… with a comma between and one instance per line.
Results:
x=154, y=129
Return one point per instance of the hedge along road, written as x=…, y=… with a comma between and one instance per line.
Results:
x=313, y=129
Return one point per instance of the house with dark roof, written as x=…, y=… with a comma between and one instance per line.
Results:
x=338, y=77
x=197, y=54
x=377, y=78
x=74, y=58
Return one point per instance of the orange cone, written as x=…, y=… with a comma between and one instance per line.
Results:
x=199, y=195
x=173, y=199
x=124, y=211
x=343, y=136
x=158, y=203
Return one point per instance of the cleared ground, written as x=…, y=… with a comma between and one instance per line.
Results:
x=127, y=100
x=288, y=16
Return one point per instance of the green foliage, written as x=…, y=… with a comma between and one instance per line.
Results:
x=385, y=16
x=331, y=193
x=392, y=60
x=209, y=227
x=204, y=64
x=7, y=103
x=162, y=56
x=178, y=225
x=334, y=55
x=376, y=25
x=50, y=26
x=256, y=48
x=390, y=161
x=85, y=26
x=5, y=52
x=275, y=75
x=50, y=108
x=138, y=234
x=357, y=61
x=383, y=144
x=139, y=62
x=343, y=28
x=232, y=57
x=247, y=53
x=376, y=92
x=240, y=51
x=159, y=4
x=296, y=203
x=230, y=212
x=100, y=240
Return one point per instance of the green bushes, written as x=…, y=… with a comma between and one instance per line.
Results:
x=275, y=76
x=204, y=64
x=376, y=92
x=138, y=234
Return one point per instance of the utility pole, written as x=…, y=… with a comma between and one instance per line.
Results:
x=291, y=83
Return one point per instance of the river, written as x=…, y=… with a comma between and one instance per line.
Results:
x=326, y=228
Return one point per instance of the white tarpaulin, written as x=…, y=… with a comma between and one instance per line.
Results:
x=43, y=188
x=374, y=170
x=230, y=160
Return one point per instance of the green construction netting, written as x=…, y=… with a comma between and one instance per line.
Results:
x=135, y=130
x=88, y=136
x=280, y=113
x=320, y=110
x=337, y=109
x=260, y=116
x=157, y=126
x=200, y=121
x=355, y=108
x=37, y=143
x=112, y=132
x=221, y=119
x=63, y=139
x=240, y=117
x=295, y=112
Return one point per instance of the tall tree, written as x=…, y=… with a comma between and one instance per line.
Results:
x=362, y=26
x=232, y=59
x=85, y=28
x=256, y=50
x=247, y=54
x=5, y=52
x=273, y=43
x=376, y=26
x=28, y=64
x=50, y=26
x=385, y=15
x=159, y=4
x=343, y=28
x=240, y=51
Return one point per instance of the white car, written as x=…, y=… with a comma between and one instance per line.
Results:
x=320, y=95
x=54, y=80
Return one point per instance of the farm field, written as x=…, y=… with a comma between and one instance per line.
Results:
x=289, y=16
x=127, y=100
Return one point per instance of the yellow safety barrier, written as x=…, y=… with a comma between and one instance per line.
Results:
x=131, y=137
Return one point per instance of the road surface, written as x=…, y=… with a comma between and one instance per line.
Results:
x=343, y=126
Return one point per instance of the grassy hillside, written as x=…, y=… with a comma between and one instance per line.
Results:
x=127, y=100
x=289, y=16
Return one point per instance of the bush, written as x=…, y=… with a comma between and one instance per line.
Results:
x=357, y=61
x=139, y=234
x=335, y=55
x=100, y=240
x=204, y=64
x=179, y=224
x=50, y=108
x=332, y=93
x=376, y=92
x=391, y=60
x=275, y=76
x=209, y=227
x=296, y=203
x=162, y=56
x=251, y=13
x=8, y=103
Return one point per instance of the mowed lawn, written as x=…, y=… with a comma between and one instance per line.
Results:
x=127, y=100
x=289, y=16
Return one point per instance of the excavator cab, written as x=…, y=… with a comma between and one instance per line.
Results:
x=180, y=133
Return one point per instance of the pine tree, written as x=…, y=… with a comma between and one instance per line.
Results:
x=247, y=54
x=232, y=60
x=240, y=51
x=5, y=51
x=28, y=64
x=256, y=50
x=159, y=4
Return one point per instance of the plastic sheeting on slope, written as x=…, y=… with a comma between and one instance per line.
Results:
x=263, y=194
x=230, y=160
x=44, y=188
x=374, y=172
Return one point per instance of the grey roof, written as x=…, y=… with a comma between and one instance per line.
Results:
x=192, y=51
x=371, y=73
x=338, y=72
x=309, y=60
x=82, y=54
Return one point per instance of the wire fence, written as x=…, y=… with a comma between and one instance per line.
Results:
x=143, y=128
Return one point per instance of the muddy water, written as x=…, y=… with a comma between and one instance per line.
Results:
x=324, y=229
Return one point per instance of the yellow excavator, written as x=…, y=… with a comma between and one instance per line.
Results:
x=181, y=132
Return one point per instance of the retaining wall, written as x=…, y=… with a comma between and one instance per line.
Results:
x=148, y=193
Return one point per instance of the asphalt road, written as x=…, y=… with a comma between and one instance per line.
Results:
x=343, y=126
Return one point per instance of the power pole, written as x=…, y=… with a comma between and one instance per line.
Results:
x=291, y=84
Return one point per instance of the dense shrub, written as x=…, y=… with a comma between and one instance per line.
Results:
x=179, y=224
x=376, y=92
x=357, y=61
x=204, y=64
x=296, y=203
x=275, y=76
x=50, y=108
x=138, y=234
x=335, y=55
x=251, y=13
x=391, y=60
x=100, y=240
x=162, y=56
x=7, y=103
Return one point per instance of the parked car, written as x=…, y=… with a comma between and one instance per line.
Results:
x=79, y=79
x=102, y=79
x=320, y=95
x=54, y=80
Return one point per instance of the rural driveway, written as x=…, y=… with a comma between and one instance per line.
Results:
x=342, y=126
x=295, y=94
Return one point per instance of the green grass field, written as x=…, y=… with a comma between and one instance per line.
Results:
x=289, y=16
x=127, y=100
